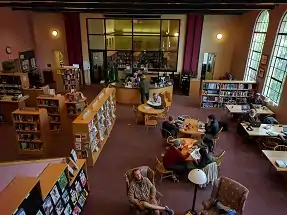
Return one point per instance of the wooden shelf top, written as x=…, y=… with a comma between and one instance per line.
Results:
x=66, y=67
x=17, y=190
x=50, y=176
x=229, y=82
x=80, y=164
x=30, y=112
x=13, y=74
x=80, y=101
x=8, y=99
x=46, y=97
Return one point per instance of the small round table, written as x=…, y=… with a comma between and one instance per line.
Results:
x=193, y=130
x=149, y=111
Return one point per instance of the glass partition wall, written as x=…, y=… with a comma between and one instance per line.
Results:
x=136, y=43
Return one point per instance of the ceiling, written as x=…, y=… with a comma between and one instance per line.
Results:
x=118, y=7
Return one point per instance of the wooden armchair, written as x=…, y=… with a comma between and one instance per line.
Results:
x=280, y=148
x=146, y=172
x=216, y=137
x=229, y=193
x=150, y=121
x=164, y=114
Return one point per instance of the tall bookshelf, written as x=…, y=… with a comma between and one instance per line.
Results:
x=32, y=130
x=69, y=78
x=93, y=126
x=44, y=187
x=13, y=83
x=215, y=93
x=56, y=108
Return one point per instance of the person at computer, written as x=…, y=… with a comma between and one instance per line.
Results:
x=174, y=160
x=257, y=100
x=144, y=89
x=211, y=130
x=170, y=127
x=251, y=116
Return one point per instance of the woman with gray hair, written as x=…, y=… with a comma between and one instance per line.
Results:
x=251, y=116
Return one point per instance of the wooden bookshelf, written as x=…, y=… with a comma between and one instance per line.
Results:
x=56, y=108
x=13, y=83
x=68, y=78
x=76, y=107
x=32, y=131
x=93, y=126
x=215, y=93
x=33, y=93
x=38, y=181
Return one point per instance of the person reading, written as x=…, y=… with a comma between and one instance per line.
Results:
x=251, y=116
x=205, y=159
x=170, y=127
x=211, y=130
x=257, y=100
x=142, y=193
x=174, y=160
x=156, y=99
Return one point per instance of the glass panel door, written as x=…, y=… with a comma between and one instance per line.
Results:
x=98, y=59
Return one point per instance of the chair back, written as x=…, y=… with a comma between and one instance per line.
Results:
x=163, y=103
x=280, y=148
x=230, y=193
x=145, y=171
x=186, y=116
x=271, y=142
x=151, y=120
x=216, y=137
x=159, y=166
x=211, y=172
x=165, y=133
x=219, y=157
x=168, y=96
x=170, y=139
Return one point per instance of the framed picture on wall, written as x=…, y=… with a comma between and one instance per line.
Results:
x=264, y=59
x=261, y=72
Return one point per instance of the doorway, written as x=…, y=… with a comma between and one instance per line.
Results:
x=98, y=62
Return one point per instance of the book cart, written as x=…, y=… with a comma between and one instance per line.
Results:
x=32, y=130
x=56, y=108
x=44, y=187
x=215, y=93
x=93, y=126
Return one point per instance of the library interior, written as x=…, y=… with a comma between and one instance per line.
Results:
x=134, y=107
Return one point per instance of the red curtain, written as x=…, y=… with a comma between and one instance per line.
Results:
x=192, y=43
x=73, y=38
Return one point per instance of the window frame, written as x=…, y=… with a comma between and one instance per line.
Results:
x=256, y=34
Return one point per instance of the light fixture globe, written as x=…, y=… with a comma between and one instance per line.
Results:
x=54, y=33
x=219, y=36
x=197, y=176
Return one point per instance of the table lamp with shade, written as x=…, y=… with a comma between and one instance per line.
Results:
x=198, y=177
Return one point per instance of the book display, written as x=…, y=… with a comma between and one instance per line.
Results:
x=56, y=109
x=32, y=127
x=76, y=103
x=49, y=190
x=13, y=83
x=215, y=93
x=71, y=78
x=93, y=126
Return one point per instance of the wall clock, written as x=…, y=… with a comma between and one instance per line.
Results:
x=8, y=50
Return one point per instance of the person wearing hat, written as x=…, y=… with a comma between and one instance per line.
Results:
x=257, y=100
x=144, y=89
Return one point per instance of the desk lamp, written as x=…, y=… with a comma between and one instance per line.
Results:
x=198, y=177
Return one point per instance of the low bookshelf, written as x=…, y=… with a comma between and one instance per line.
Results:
x=32, y=131
x=215, y=93
x=93, y=126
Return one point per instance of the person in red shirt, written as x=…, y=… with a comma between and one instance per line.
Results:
x=174, y=160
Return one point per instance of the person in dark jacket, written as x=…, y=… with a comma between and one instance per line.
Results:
x=211, y=130
x=144, y=89
x=270, y=120
x=205, y=159
x=171, y=127
x=251, y=116
x=257, y=100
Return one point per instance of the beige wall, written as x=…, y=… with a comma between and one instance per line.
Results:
x=212, y=25
x=245, y=29
x=85, y=50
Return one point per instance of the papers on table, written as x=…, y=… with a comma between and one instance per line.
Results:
x=195, y=154
x=147, y=107
x=281, y=163
x=201, y=130
x=152, y=103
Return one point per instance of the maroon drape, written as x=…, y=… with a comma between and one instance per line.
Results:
x=73, y=38
x=192, y=43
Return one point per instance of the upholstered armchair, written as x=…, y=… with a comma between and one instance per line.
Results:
x=230, y=193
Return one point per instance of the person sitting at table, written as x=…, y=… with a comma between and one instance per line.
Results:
x=205, y=159
x=211, y=130
x=283, y=138
x=174, y=160
x=270, y=120
x=156, y=98
x=244, y=102
x=257, y=100
x=170, y=126
x=251, y=116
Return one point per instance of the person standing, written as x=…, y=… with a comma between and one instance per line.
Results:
x=144, y=89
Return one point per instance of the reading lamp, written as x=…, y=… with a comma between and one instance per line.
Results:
x=198, y=177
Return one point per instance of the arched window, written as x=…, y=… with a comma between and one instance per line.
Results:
x=256, y=46
x=277, y=70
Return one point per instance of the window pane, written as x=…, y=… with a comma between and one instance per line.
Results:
x=169, y=60
x=97, y=42
x=170, y=27
x=121, y=58
x=169, y=43
x=118, y=27
x=96, y=26
x=146, y=27
x=120, y=43
x=151, y=59
x=146, y=43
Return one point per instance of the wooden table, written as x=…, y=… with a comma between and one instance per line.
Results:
x=272, y=156
x=236, y=109
x=7, y=106
x=193, y=130
x=262, y=131
x=149, y=111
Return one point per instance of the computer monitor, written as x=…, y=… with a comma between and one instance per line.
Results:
x=245, y=107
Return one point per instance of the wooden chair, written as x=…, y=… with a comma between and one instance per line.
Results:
x=269, y=143
x=164, y=114
x=168, y=99
x=163, y=172
x=216, y=137
x=186, y=116
x=150, y=121
x=163, y=102
x=280, y=148
x=218, y=158
x=137, y=114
